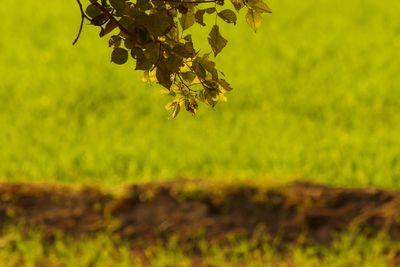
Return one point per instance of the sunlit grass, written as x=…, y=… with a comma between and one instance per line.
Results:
x=316, y=97
x=102, y=251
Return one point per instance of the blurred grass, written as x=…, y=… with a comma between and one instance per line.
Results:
x=317, y=97
x=348, y=250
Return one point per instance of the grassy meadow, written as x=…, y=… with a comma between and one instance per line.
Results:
x=349, y=250
x=316, y=97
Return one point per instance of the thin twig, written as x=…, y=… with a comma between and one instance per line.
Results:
x=111, y=17
x=83, y=16
x=159, y=56
x=187, y=86
x=191, y=68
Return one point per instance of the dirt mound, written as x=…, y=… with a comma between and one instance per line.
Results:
x=189, y=209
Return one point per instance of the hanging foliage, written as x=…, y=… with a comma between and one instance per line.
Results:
x=154, y=34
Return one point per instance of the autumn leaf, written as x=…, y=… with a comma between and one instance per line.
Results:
x=216, y=40
x=254, y=19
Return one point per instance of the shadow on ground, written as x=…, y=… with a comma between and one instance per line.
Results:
x=188, y=209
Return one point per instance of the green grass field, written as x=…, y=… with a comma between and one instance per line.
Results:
x=349, y=250
x=316, y=97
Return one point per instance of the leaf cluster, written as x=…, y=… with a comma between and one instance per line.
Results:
x=154, y=34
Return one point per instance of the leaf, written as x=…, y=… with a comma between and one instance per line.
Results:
x=189, y=76
x=210, y=10
x=224, y=84
x=259, y=6
x=191, y=105
x=216, y=40
x=110, y=26
x=143, y=5
x=199, y=17
x=127, y=22
x=147, y=58
x=238, y=4
x=129, y=43
x=185, y=50
x=152, y=32
x=143, y=62
x=222, y=97
x=174, y=107
x=254, y=19
x=176, y=111
x=93, y=11
x=115, y=41
x=159, y=24
x=150, y=76
x=163, y=77
x=142, y=35
x=172, y=63
x=188, y=38
x=187, y=20
x=117, y=4
x=144, y=26
x=136, y=52
x=228, y=16
x=199, y=69
x=119, y=56
x=189, y=47
x=209, y=66
x=99, y=20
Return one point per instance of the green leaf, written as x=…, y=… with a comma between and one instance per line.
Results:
x=182, y=50
x=143, y=62
x=254, y=19
x=115, y=41
x=173, y=107
x=142, y=35
x=176, y=111
x=110, y=26
x=210, y=10
x=228, y=16
x=164, y=77
x=224, y=84
x=188, y=38
x=99, y=20
x=117, y=4
x=143, y=5
x=216, y=40
x=148, y=30
x=172, y=63
x=238, y=4
x=187, y=20
x=159, y=24
x=208, y=65
x=191, y=105
x=119, y=56
x=199, y=17
x=93, y=11
x=136, y=52
x=129, y=43
x=259, y=6
x=189, y=76
x=189, y=47
x=199, y=69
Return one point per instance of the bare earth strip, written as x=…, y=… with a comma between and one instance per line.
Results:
x=189, y=209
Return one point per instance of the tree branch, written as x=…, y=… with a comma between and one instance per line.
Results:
x=111, y=17
x=83, y=17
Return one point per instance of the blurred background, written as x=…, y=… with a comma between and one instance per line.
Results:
x=316, y=97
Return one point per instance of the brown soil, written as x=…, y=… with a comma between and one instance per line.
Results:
x=190, y=209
